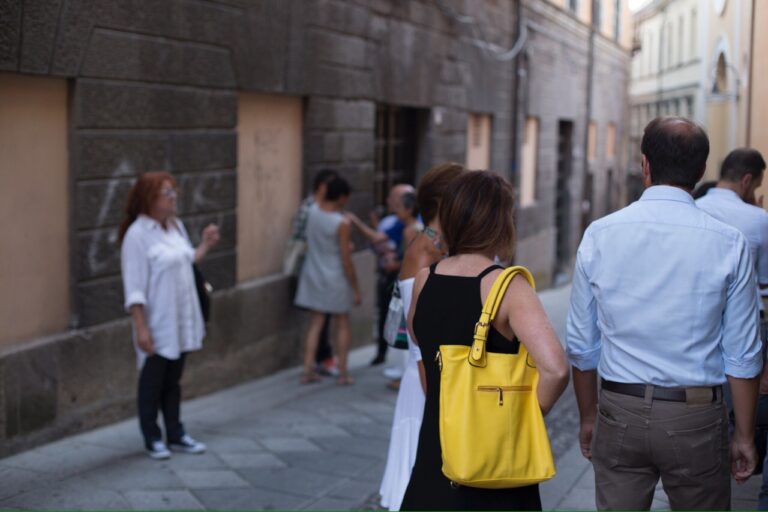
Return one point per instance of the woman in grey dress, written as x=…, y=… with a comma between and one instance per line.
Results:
x=328, y=283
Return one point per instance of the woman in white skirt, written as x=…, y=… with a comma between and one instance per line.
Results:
x=425, y=250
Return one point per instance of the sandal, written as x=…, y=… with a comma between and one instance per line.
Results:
x=345, y=380
x=394, y=385
x=309, y=378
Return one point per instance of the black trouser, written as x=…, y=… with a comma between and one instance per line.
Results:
x=384, y=284
x=324, y=345
x=159, y=389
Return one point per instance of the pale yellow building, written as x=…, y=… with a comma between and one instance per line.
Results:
x=701, y=59
x=727, y=77
x=757, y=95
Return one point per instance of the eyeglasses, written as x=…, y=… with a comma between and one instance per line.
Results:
x=168, y=192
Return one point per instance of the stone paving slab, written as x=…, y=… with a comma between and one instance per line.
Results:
x=273, y=444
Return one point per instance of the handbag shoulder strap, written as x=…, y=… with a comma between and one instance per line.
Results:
x=477, y=354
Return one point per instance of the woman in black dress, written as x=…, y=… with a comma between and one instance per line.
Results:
x=477, y=222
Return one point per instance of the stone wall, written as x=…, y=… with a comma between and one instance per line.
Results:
x=154, y=85
x=554, y=87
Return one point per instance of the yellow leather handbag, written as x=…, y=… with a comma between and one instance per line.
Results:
x=492, y=431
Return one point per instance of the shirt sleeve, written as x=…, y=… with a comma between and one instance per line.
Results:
x=135, y=269
x=582, y=335
x=762, y=254
x=741, y=345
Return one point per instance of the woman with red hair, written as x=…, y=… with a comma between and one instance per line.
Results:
x=161, y=296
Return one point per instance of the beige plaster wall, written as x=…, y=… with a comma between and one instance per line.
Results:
x=478, y=141
x=269, y=146
x=34, y=207
x=529, y=164
x=758, y=137
x=718, y=129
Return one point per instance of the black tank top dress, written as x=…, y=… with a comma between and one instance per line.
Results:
x=446, y=313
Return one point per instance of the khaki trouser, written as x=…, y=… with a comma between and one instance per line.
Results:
x=639, y=440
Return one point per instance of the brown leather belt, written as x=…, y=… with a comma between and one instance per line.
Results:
x=666, y=394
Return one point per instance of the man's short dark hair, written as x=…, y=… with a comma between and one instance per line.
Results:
x=704, y=187
x=741, y=162
x=323, y=176
x=677, y=151
x=338, y=187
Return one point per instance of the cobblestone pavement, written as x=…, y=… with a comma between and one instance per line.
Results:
x=272, y=445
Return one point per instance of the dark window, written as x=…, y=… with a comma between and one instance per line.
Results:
x=596, y=14
x=573, y=5
x=563, y=196
x=398, y=133
x=617, y=21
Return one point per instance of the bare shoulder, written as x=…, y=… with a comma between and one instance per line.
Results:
x=419, y=281
x=521, y=284
x=520, y=298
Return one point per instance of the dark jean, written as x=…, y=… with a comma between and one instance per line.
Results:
x=159, y=388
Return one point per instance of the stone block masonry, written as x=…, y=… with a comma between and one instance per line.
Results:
x=155, y=85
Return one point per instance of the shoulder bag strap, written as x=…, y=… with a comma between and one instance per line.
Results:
x=477, y=354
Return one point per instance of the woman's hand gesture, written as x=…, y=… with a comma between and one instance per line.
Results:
x=211, y=236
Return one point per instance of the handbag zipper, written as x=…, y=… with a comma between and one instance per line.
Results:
x=501, y=389
x=439, y=360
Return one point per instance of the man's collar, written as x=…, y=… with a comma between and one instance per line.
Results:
x=725, y=193
x=667, y=193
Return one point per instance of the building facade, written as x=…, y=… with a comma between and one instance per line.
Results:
x=696, y=59
x=573, y=118
x=244, y=101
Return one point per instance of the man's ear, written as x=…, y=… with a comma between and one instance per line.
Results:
x=646, y=171
x=746, y=181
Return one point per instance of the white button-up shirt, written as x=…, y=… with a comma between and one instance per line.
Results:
x=726, y=206
x=664, y=294
x=157, y=273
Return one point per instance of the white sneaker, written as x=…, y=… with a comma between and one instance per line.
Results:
x=187, y=445
x=159, y=451
x=393, y=373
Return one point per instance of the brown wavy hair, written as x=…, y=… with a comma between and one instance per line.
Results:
x=477, y=215
x=142, y=196
x=432, y=187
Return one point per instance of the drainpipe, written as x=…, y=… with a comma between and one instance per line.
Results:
x=590, y=84
x=751, y=72
x=514, y=170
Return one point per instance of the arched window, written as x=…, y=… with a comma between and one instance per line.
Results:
x=720, y=84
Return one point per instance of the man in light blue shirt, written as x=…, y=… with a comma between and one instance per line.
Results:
x=733, y=201
x=664, y=308
x=730, y=202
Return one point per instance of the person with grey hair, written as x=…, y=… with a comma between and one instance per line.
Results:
x=386, y=240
